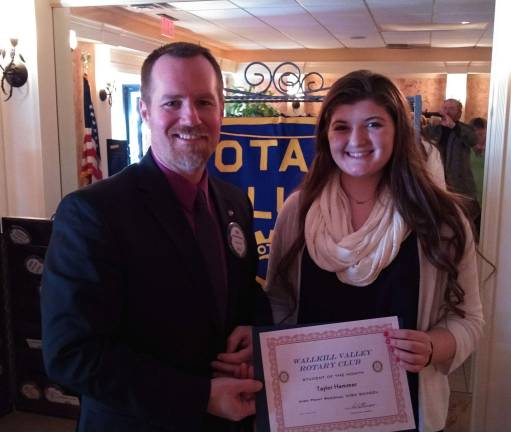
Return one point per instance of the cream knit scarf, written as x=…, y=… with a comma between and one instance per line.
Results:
x=356, y=257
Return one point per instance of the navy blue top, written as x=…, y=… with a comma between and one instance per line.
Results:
x=324, y=298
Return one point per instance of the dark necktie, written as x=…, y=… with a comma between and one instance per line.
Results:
x=206, y=233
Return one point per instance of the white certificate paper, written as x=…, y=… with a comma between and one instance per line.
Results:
x=335, y=377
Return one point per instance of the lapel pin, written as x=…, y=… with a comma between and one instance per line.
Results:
x=236, y=240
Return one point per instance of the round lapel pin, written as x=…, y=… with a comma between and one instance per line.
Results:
x=236, y=240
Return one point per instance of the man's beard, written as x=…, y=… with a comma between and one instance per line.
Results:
x=192, y=157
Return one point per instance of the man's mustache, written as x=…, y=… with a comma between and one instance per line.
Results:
x=184, y=130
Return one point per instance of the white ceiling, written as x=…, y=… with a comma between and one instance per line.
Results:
x=323, y=24
x=318, y=35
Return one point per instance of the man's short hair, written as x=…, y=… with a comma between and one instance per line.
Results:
x=478, y=123
x=457, y=102
x=177, y=50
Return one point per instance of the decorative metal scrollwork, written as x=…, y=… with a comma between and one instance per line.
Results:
x=259, y=75
x=311, y=85
x=287, y=79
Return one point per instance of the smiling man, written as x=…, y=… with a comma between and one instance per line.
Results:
x=146, y=276
x=183, y=108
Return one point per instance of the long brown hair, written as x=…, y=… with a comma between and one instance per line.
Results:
x=428, y=210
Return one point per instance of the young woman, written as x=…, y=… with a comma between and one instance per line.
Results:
x=369, y=234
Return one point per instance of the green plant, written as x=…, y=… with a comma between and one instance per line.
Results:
x=250, y=109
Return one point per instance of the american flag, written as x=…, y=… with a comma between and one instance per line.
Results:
x=90, y=169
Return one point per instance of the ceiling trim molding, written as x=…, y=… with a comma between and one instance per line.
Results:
x=144, y=25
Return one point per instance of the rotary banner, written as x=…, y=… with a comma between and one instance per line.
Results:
x=267, y=158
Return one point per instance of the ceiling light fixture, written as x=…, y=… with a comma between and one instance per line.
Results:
x=433, y=27
x=73, y=41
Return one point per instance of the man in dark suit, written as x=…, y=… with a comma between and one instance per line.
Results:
x=149, y=271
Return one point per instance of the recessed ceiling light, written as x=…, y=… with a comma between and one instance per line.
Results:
x=433, y=27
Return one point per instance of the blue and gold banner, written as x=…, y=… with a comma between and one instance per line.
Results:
x=267, y=158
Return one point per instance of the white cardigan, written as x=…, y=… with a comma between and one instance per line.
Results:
x=433, y=383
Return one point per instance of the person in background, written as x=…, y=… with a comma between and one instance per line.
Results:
x=149, y=271
x=370, y=234
x=434, y=164
x=455, y=140
x=477, y=159
x=479, y=126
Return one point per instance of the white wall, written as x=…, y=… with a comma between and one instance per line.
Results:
x=65, y=101
x=3, y=179
x=103, y=74
x=118, y=117
x=30, y=172
x=492, y=391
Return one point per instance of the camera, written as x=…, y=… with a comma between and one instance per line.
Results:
x=429, y=114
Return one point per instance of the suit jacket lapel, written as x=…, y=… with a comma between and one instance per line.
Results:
x=226, y=215
x=165, y=207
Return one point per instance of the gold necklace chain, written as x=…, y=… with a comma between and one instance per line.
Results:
x=359, y=202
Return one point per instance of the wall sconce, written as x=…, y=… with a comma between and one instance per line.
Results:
x=14, y=74
x=106, y=93
x=73, y=41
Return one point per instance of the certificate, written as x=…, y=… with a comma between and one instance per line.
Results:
x=334, y=377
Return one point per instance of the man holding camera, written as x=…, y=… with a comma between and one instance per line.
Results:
x=454, y=140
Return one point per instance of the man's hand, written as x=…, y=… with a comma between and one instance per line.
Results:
x=233, y=399
x=235, y=362
x=446, y=120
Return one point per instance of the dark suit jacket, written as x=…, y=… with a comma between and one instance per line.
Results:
x=455, y=154
x=129, y=316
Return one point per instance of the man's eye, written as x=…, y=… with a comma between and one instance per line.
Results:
x=206, y=102
x=172, y=104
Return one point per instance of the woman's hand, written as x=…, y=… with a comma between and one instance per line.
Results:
x=412, y=349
